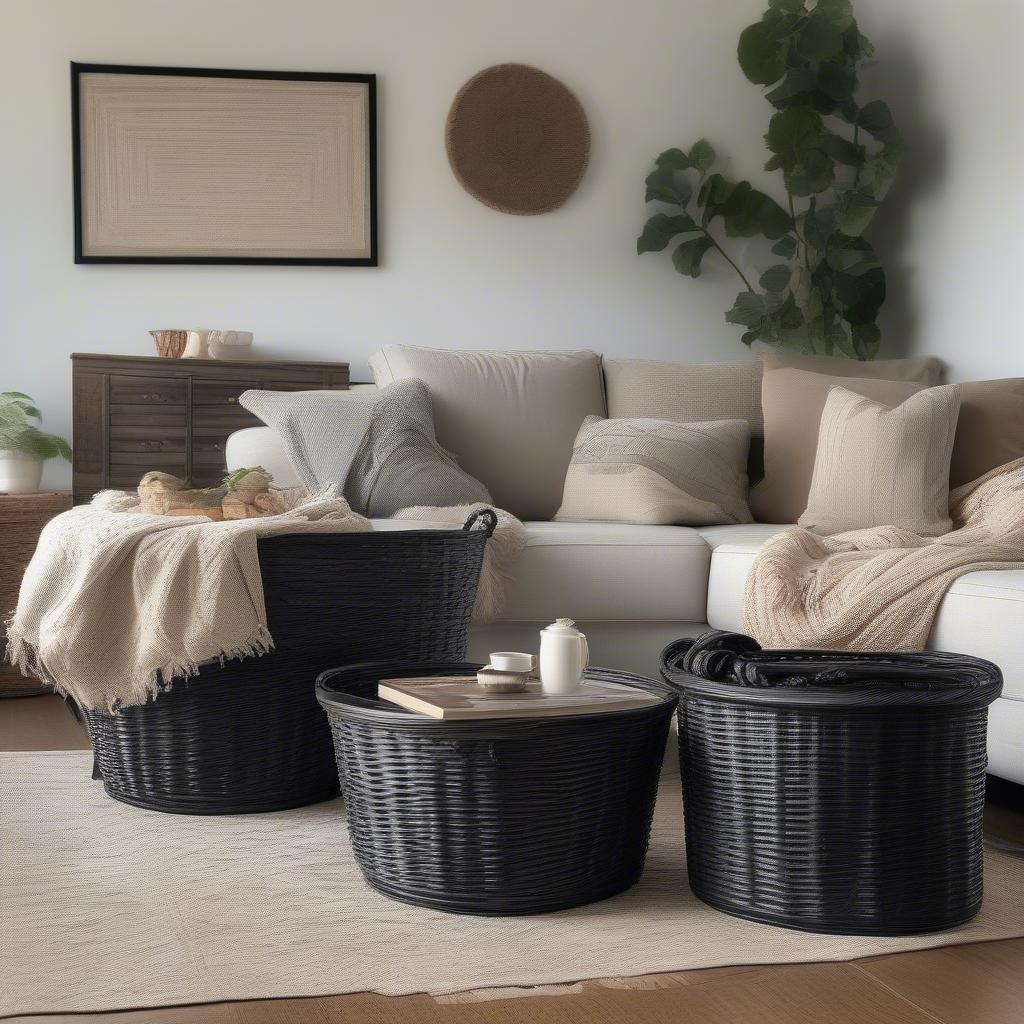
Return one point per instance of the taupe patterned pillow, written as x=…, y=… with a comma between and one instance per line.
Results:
x=882, y=465
x=658, y=473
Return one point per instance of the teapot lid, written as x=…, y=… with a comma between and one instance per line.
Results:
x=565, y=627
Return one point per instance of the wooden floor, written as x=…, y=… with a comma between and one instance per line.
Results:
x=977, y=984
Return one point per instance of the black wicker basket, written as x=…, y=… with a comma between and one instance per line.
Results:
x=248, y=735
x=833, y=791
x=494, y=816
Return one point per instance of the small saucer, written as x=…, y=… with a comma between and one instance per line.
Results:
x=496, y=680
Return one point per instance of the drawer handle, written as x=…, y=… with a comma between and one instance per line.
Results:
x=152, y=445
x=232, y=400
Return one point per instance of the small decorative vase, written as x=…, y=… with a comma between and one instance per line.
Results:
x=229, y=344
x=19, y=473
x=170, y=344
x=197, y=344
x=564, y=656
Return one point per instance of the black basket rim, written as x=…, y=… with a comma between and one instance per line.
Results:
x=337, y=701
x=832, y=680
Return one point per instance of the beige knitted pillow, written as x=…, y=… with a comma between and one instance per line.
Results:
x=881, y=465
x=658, y=473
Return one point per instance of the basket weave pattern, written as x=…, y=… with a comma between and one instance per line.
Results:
x=248, y=735
x=845, y=799
x=500, y=816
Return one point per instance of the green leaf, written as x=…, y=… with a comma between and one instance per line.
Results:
x=791, y=132
x=879, y=171
x=761, y=57
x=785, y=246
x=819, y=39
x=838, y=338
x=866, y=339
x=714, y=194
x=31, y=441
x=661, y=229
x=676, y=159
x=702, y=155
x=749, y=309
x=687, y=255
x=855, y=212
x=857, y=46
x=663, y=186
x=837, y=79
x=876, y=118
x=749, y=337
x=776, y=278
x=791, y=6
x=842, y=150
x=849, y=255
x=748, y=212
x=814, y=173
x=836, y=12
x=795, y=88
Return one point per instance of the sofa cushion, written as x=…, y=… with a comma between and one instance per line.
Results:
x=926, y=370
x=990, y=431
x=883, y=465
x=684, y=392
x=510, y=418
x=793, y=401
x=980, y=614
x=609, y=571
x=658, y=473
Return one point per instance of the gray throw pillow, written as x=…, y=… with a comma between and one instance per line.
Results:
x=376, y=448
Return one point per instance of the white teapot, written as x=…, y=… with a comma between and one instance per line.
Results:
x=564, y=656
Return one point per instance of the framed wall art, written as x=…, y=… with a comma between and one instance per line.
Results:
x=201, y=165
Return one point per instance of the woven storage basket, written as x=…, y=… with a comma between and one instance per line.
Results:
x=832, y=791
x=249, y=735
x=495, y=816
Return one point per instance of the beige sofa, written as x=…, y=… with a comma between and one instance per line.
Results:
x=634, y=588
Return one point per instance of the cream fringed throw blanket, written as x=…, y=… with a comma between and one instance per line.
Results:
x=880, y=588
x=114, y=602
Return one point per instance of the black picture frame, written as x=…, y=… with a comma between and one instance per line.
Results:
x=78, y=69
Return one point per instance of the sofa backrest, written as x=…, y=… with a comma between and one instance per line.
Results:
x=510, y=418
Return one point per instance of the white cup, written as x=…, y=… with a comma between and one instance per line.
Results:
x=513, y=661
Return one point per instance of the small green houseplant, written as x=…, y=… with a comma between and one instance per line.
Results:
x=838, y=159
x=23, y=446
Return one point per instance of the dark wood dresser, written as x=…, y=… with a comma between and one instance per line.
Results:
x=132, y=414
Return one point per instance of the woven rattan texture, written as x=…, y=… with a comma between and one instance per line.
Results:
x=855, y=819
x=501, y=816
x=249, y=736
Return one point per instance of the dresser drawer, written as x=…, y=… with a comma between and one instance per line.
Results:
x=147, y=391
x=146, y=438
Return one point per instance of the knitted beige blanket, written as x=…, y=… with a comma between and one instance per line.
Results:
x=880, y=588
x=115, y=602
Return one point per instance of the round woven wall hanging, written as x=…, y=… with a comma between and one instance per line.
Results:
x=517, y=139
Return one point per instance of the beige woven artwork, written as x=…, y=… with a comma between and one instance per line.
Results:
x=517, y=139
x=208, y=167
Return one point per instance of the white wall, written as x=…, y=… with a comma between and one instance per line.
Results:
x=650, y=73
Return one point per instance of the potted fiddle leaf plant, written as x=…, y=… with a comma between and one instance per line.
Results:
x=837, y=156
x=23, y=446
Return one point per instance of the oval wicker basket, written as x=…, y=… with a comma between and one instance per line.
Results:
x=248, y=735
x=494, y=816
x=833, y=791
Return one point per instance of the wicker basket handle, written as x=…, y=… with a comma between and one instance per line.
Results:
x=489, y=518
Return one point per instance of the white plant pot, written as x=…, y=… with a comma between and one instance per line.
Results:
x=19, y=472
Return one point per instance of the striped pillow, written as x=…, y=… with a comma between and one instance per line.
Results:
x=658, y=473
x=882, y=465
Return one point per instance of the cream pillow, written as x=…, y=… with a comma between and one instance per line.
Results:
x=658, y=473
x=882, y=465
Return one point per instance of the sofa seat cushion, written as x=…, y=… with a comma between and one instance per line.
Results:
x=609, y=571
x=980, y=614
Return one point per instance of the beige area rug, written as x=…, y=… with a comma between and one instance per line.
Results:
x=105, y=907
